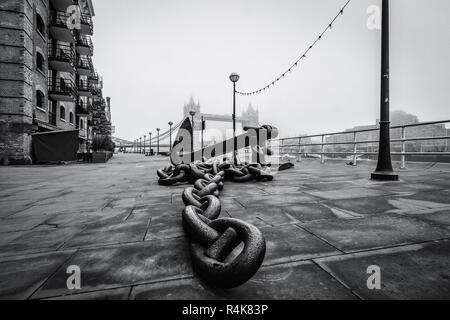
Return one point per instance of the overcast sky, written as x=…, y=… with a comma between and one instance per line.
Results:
x=155, y=54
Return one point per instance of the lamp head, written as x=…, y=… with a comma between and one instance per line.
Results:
x=234, y=77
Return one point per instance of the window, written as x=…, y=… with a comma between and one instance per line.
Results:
x=40, y=24
x=81, y=124
x=62, y=113
x=40, y=99
x=71, y=117
x=39, y=62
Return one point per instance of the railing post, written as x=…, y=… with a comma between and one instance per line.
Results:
x=322, y=155
x=299, y=149
x=403, y=165
x=355, y=148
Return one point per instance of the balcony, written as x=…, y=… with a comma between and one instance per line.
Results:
x=94, y=78
x=82, y=109
x=84, y=45
x=61, y=4
x=84, y=88
x=61, y=57
x=61, y=89
x=87, y=27
x=52, y=118
x=59, y=28
x=84, y=66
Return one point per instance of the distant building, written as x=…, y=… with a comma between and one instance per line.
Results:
x=250, y=116
x=398, y=118
x=47, y=78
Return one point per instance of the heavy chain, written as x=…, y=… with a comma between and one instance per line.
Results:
x=214, y=239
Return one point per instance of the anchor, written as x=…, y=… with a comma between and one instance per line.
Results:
x=254, y=137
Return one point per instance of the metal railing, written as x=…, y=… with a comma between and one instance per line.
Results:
x=52, y=118
x=85, y=41
x=61, y=52
x=84, y=62
x=84, y=85
x=59, y=19
x=61, y=86
x=400, y=139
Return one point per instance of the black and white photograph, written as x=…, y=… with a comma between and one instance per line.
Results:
x=224, y=155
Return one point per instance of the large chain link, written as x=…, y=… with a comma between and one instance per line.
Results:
x=214, y=239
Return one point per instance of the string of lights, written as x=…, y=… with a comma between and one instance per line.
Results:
x=303, y=56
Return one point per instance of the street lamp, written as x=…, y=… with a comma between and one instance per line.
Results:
x=234, y=77
x=192, y=113
x=150, y=142
x=158, y=141
x=140, y=145
x=145, y=137
x=384, y=171
x=170, y=135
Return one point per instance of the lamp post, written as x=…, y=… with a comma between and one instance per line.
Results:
x=157, y=150
x=192, y=113
x=384, y=171
x=170, y=136
x=145, y=137
x=234, y=77
x=203, y=130
x=140, y=145
x=150, y=143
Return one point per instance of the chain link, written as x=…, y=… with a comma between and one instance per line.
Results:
x=214, y=239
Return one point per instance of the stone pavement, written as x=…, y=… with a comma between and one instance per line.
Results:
x=324, y=226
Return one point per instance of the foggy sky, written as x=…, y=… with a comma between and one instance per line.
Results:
x=154, y=55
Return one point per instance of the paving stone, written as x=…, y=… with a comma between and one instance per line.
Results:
x=374, y=205
x=123, y=265
x=439, y=197
x=269, y=216
x=416, y=272
x=441, y=217
x=375, y=232
x=38, y=240
x=348, y=193
x=113, y=294
x=275, y=200
x=101, y=234
x=21, y=276
x=290, y=243
x=312, y=212
x=165, y=228
x=296, y=281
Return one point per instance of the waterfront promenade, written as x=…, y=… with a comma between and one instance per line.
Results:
x=324, y=226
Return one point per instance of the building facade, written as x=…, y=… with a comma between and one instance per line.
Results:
x=47, y=78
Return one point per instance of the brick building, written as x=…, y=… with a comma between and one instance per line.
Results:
x=47, y=79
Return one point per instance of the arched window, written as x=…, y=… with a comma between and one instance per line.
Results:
x=71, y=117
x=40, y=24
x=40, y=99
x=39, y=62
x=62, y=113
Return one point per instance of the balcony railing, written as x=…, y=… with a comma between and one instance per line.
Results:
x=368, y=146
x=52, y=118
x=87, y=27
x=60, y=86
x=84, y=85
x=85, y=45
x=94, y=78
x=59, y=26
x=82, y=109
x=61, y=52
x=84, y=65
x=59, y=18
